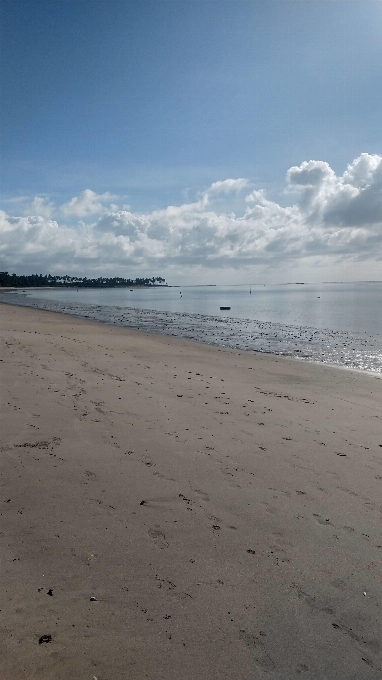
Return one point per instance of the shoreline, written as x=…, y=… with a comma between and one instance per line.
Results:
x=281, y=357
x=343, y=349
x=223, y=507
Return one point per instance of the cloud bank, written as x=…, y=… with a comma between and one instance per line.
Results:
x=230, y=225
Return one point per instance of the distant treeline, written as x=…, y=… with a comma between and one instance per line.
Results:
x=38, y=280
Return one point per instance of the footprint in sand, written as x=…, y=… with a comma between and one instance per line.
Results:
x=348, y=491
x=203, y=495
x=159, y=538
x=162, y=476
x=322, y=520
x=260, y=655
x=301, y=667
x=213, y=518
x=278, y=554
x=269, y=508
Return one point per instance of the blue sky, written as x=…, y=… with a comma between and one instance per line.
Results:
x=112, y=112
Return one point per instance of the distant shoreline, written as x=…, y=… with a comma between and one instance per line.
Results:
x=82, y=287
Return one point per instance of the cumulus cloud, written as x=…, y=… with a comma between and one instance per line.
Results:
x=223, y=188
x=331, y=218
x=310, y=174
x=40, y=206
x=87, y=203
x=351, y=200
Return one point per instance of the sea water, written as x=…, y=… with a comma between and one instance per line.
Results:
x=331, y=323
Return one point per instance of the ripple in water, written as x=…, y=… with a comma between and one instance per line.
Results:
x=339, y=348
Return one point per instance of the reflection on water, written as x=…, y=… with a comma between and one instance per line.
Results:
x=340, y=307
x=330, y=346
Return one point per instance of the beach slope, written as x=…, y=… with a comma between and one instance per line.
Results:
x=174, y=510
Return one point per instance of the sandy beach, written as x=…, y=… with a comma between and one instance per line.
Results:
x=174, y=510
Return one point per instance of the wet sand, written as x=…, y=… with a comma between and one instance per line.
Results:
x=345, y=349
x=223, y=509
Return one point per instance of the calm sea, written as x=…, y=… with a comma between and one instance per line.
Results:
x=331, y=323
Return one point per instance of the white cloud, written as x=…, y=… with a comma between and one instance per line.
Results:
x=223, y=188
x=87, y=203
x=333, y=219
x=310, y=174
x=39, y=206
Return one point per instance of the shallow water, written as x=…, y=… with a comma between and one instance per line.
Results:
x=330, y=345
x=342, y=307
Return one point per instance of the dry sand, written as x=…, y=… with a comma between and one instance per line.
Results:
x=223, y=508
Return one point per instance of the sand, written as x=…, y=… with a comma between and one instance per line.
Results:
x=223, y=508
